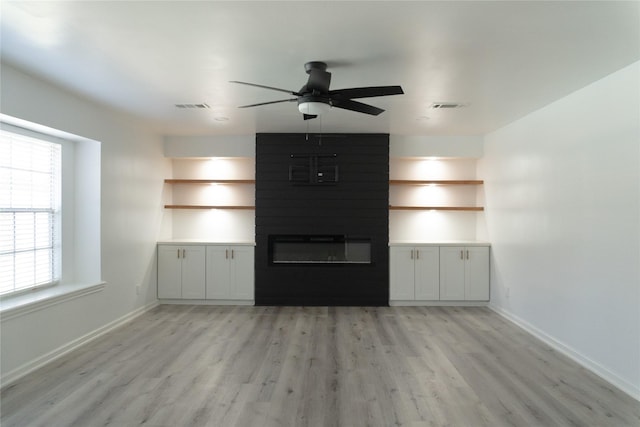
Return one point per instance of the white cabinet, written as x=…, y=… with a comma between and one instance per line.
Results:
x=181, y=271
x=464, y=273
x=414, y=273
x=452, y=276
x=476, y=271
x=230, y=272
x=401, y=274
x=438, y=273
x=219, y=272
x=427, y=271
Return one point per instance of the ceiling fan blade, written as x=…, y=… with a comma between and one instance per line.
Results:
x=270, y=102
x=366, y=92
x=290, y=92
x=309, y=116
x=319, y=80
x=348, y=104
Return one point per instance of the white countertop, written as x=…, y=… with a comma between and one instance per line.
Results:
x=203, y=242
x=439, y=243
x=391, y=243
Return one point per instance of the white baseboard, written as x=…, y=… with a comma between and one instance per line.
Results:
x=418, y=303
x=19, y=372
x=601, y=371
x=207, y=302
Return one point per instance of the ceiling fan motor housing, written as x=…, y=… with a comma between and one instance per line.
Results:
x=315, y=65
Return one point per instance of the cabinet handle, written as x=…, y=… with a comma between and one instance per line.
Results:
x=232, y=253
x=417, y=253
x=184, y=253
x=467, y=253
x=178, y=253
x=461, y=254
x=226, y=254
x=411, y=253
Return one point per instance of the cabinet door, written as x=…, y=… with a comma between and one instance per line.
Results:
x=401, y=272
x=193, y=272
x=218, y=272
x=427, y=273
x=169, y=272
x=241, y=272
x=452, y=266
x=477, y=274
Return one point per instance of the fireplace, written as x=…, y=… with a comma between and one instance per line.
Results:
x=318, y=249
x=322, y=220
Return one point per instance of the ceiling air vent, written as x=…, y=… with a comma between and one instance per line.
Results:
x=447, y=105
x=198, y=106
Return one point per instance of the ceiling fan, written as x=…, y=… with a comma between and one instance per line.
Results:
x=315, y=98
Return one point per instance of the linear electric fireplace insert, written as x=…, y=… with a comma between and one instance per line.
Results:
x=319, y=249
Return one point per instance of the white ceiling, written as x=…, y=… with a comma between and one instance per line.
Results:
x=503, y=59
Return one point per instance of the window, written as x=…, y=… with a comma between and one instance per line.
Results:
x=30, y=212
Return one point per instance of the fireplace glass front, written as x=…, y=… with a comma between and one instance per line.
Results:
x=319, y=249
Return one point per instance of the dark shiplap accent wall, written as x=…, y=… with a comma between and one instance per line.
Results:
x=357, y=206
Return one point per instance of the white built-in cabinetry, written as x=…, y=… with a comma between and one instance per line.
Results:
x=436, y=200
x=438, y=273
x=230, y=272
x=464, y=273
x=181, y=271
x=414, y=273
x=218, y=273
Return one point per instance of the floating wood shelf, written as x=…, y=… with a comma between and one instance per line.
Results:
x=435, y=182
x=210, y=181
x=207, y=207
x=437, y=208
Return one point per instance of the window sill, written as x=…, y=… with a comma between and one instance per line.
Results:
x=18, y=305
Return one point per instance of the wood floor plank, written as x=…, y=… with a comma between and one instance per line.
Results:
x=316, y=367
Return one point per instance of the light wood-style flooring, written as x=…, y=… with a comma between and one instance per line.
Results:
x=316, y=366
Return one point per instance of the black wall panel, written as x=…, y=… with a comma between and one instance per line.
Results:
x=355, y=206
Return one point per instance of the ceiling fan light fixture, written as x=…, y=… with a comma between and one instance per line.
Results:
x=313, y=108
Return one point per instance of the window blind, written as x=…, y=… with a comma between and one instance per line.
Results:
x=30, y=187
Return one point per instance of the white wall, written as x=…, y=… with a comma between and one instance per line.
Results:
x=132, y=171
x=177, y=146
x=435, y=146
x=562, y=188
